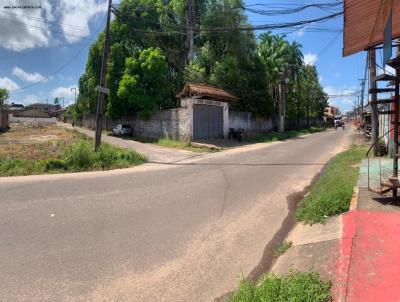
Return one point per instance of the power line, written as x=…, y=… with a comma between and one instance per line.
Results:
x=323, y=50
x=10, y=21
x=62, y=67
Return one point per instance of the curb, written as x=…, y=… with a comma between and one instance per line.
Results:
x=354, y=199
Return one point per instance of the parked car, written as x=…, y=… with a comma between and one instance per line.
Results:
x=123, y=129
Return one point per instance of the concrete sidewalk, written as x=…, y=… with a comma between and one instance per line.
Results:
x=358, y=250
x=154, y=153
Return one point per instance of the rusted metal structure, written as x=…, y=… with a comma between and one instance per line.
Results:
x=365, y=23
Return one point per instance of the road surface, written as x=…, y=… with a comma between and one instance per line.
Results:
x=181, y=232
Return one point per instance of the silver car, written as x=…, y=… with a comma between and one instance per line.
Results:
x=122, y=129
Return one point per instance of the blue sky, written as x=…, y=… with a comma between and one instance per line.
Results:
x=29, y=54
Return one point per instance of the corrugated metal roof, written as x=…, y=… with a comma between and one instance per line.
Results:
x=202, y=90
x=360, y=18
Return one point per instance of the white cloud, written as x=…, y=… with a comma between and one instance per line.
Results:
x=29, y=77
x=21, y=29
x=310, y=58
x=8, y=84
x=63, y=92
x=301, y=31
x=31, y=28
x=320, y=78
x=30, y=99
x=78, y=13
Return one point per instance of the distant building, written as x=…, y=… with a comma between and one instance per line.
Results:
x=329, y=114
x=50, y=109
x=13, y=107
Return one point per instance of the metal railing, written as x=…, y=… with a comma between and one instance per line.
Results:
x=379, y=150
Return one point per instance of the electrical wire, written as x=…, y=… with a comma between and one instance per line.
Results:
x=62, y=67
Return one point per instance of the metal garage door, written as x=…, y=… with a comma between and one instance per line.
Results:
x=207, y=122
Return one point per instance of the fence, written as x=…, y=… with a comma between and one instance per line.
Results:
x=171, y=123
x=16, y=119
x=246, y=121
x=176, y=124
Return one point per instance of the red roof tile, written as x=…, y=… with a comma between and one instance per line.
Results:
x=202, y=90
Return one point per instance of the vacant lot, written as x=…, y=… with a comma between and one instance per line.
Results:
x=34, y=148
x=35, y=141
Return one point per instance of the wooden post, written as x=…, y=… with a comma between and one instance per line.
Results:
x=281, y=106
x=100, y=103
x=374, y=107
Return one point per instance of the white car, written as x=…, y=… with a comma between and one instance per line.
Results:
x=122, y=129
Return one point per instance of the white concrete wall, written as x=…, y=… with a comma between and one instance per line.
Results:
x=15, y=119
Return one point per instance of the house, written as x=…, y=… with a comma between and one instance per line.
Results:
x=30, y=112
x=51, y=109
x=208, y=110
x=329, y=114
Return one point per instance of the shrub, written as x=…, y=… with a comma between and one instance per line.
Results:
x=55, y=164
x=10, y=167
x=79, y=156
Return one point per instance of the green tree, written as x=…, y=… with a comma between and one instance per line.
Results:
x=4, y=94
x=144, y=83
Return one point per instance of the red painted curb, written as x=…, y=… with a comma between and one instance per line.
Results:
x=368, y=269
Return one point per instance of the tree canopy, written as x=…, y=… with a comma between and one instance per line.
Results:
x=3, y=96
x=148, y=66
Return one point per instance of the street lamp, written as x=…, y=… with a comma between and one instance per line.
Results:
x=74, y=88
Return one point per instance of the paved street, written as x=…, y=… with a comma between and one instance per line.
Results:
x=159, y=232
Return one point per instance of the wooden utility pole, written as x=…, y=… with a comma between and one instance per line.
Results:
x=190, y=25
x=100, y=103
x=282, y=106
x=362, y=99
x=373, y=99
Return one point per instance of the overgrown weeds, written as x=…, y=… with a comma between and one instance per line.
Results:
x=79, y=156
x=294, y=287
x=332, y=193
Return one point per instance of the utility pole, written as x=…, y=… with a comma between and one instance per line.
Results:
x=362, y=99
x=190, y=25
x=282, y=106
x=373, y=99
x=100, y=103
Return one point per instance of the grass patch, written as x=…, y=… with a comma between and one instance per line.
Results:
x=273, y=137
x=294, y=287
x=332, y=193
x=77, y=156
x=282, y=248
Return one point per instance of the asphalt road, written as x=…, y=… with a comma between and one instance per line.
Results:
x=182, y=232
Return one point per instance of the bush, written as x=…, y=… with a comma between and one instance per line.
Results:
x=113, y=157
x=9, y=167
x=79, y=156
x=108, y=156
x=55, y=164
x=294, y=287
